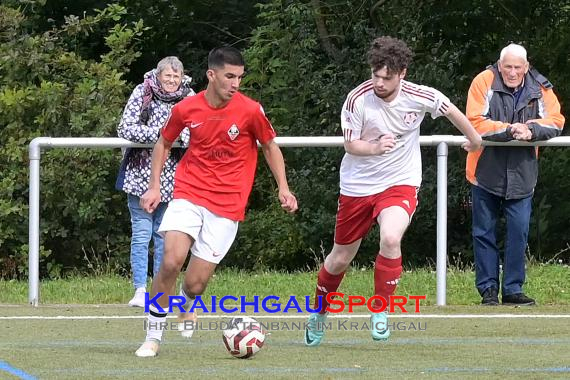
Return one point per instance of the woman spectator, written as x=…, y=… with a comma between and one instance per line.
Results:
x=146, y=112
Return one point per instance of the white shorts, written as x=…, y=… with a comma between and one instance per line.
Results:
x=213, y=235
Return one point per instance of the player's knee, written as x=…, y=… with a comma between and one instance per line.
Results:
x=390, y=242
x=338, y=262
x=196, y=288
x=170, y=267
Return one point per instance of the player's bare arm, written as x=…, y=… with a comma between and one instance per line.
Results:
x=274, y=159
x=377, y=147
x=460, y=121
x=151, y=198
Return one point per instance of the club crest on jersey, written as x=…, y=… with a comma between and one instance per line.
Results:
x=410, y=118
x=233, y=132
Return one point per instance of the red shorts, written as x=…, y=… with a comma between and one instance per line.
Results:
x=356, y=215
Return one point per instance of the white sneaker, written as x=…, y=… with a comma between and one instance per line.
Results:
x=138, y=298
x=148, y=349
x=187, y=329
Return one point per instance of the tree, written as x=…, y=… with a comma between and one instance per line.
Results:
x=49, y=89
x=67, y=70
x=305, y=57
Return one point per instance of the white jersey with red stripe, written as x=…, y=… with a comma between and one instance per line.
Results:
x=367, y=117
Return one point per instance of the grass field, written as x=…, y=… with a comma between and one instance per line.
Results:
x=98, y=342
x=82, y=329
x=549, y=284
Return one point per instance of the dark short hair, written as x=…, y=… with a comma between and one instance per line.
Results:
x=220, y=56
x=389, y=52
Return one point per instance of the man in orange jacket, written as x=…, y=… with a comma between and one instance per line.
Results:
x=508, y=101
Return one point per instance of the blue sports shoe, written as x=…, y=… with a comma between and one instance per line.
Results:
x=315, y=329
x=379, y=326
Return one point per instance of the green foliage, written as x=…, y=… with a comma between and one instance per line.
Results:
x=66, y=69
x=305, y=57
x=302, y=90
x=189, y=30
x=257, y=248
x=49, y=89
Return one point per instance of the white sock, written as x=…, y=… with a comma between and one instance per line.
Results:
x=155, y=324
x=188, y=299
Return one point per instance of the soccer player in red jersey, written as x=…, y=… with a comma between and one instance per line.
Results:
x=212, y=183
x=380, y=173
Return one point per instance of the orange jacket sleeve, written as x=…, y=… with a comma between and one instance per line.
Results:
x=551, y=120
x=478, y=108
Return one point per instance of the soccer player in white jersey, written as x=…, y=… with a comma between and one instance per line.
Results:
x=380, y=174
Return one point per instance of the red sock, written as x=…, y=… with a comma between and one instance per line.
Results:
x=326, y=283
x=386, y=276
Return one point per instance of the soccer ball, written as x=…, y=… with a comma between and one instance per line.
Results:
x=243, y=337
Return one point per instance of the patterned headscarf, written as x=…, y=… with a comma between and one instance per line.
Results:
x=153, y=89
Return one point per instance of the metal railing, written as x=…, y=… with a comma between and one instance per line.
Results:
x=442, y=143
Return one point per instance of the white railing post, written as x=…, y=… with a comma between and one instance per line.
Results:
x=441, y=244
x=34, y=222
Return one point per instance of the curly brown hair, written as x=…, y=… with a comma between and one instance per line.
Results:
x=389, y=52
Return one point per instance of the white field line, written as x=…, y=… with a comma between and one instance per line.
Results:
x=299, y=316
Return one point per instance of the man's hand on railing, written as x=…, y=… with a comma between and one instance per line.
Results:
x=521, y=132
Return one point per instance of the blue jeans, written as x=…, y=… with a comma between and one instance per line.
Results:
x=486, y=212
x=144, y=227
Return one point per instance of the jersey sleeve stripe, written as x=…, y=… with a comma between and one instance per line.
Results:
x=410, y=87
x=443, y=107
x=363, y=88
x=352, y=99
x=425, y=96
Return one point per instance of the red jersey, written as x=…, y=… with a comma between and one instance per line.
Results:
x=218, y=168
